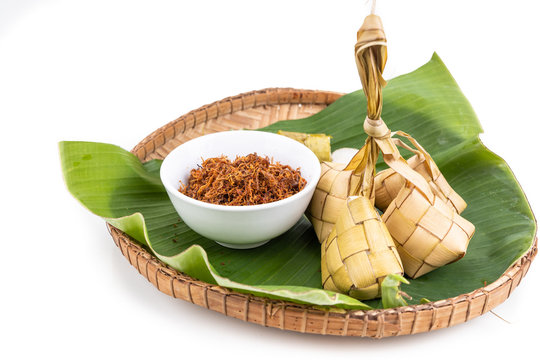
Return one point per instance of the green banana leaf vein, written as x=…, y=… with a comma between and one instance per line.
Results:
x=427, y=103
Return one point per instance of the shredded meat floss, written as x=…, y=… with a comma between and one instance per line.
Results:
x=248, y=180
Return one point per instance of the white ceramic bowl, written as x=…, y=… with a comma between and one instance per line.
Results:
x=240, y=227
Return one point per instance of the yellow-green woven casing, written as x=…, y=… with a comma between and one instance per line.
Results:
x=388, y=183
x=427, y=235
x=334, y=187
x=359, y=252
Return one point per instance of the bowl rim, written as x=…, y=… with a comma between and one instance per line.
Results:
x=310, y=185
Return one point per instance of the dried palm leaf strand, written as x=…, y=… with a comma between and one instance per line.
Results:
x=392, y=158
x=370, y=55
x=427, y=235
x=428, y=168
x=359, y=252
x=388, y=183
x=338, y=181
x=422, y=213
x=419, y=213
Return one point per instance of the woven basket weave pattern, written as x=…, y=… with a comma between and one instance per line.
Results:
x=330, y=195
x=388, y=183
x=427, y=236
x=257, y=109
x=359, y=252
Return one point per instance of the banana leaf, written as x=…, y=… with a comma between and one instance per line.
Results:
x=426, y=103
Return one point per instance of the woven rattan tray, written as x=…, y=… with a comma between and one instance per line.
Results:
x=254, y=110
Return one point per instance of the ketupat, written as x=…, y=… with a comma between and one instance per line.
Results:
x=427, y=231
x=357, y=251
x=421, y=217
x=388, y=183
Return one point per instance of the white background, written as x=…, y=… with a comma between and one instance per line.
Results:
x=113, y=71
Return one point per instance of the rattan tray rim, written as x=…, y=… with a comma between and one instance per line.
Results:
x=377, y=323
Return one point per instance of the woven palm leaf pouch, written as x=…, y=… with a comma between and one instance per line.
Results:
x=420, y=228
